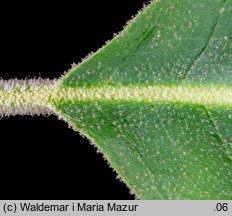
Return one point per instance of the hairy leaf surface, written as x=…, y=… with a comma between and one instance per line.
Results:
x=157, y=100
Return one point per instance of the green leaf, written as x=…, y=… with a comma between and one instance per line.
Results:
x=156, y=100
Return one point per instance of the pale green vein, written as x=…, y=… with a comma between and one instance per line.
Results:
x=186, y=94
x=198, y=56
x=220, y=137
x=28, y=97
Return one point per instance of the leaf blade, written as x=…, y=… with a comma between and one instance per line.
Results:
x=174, y=29
x=162, y=161
x=171, y=150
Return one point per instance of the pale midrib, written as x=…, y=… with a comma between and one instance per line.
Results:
x=219, y=96
x=34, y=98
